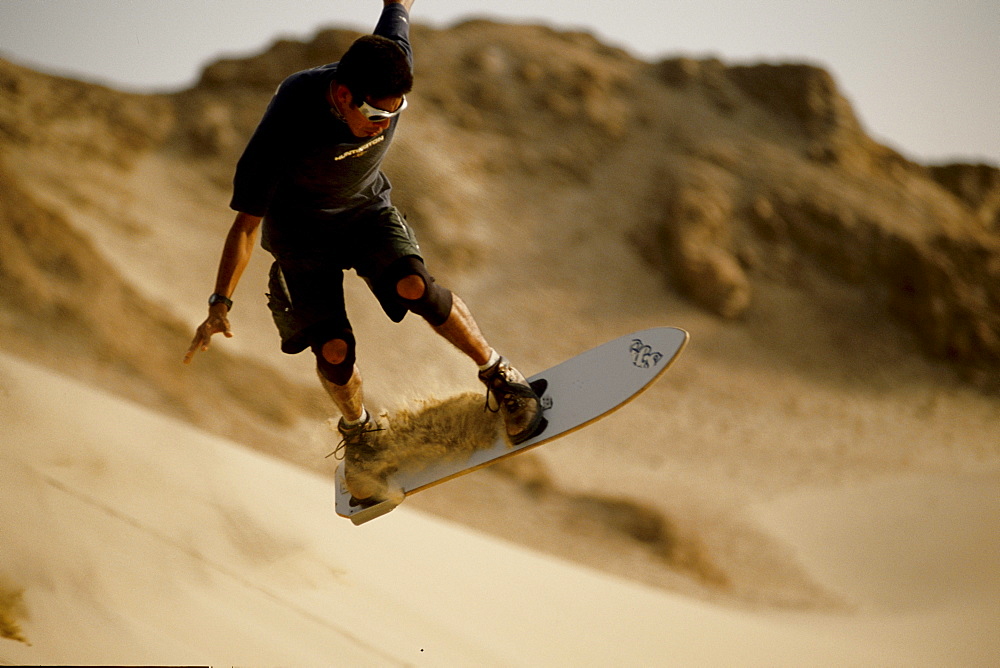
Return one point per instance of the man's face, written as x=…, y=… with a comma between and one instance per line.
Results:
x=361, y=116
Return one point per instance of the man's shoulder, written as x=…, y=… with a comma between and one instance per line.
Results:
x=308, y=80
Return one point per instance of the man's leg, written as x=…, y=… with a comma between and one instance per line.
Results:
x=346, y=395
x=339, y=374
x=342, y=381
x=459, y=328
x=517, y=402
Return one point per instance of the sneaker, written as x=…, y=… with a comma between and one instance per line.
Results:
x=360, y=452
x=515, y=400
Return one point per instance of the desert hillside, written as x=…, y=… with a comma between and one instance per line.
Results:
x=843, y=301
x=188, y=549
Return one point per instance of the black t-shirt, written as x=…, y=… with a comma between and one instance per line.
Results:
x=303, y=169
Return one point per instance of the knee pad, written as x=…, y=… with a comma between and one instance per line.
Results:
x=435, y=304
x=337, y=373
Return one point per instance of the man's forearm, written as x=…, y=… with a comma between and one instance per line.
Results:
x=236, y=253
x=406, y=3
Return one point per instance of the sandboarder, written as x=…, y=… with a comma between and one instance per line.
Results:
x=311, y=173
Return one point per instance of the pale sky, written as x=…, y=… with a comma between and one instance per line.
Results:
x=922, y=74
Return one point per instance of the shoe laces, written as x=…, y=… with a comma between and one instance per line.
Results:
x=507, y=394
x=353, y=437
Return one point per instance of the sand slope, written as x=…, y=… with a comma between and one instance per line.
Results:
x=136, y=539
x=807, y=486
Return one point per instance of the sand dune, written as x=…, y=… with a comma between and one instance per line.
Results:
x=814, y=483
x=133, y=538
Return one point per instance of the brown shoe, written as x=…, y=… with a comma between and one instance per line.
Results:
x=361, y=459
x=515, y=400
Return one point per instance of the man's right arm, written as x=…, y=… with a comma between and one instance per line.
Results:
x=235, y=256
x=236, y=253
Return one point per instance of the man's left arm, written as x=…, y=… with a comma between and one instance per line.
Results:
x=406, y=3
x=394, y=23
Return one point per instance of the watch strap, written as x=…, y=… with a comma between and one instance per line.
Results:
x=216, y=298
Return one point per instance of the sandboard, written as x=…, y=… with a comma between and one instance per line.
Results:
x=577, y=392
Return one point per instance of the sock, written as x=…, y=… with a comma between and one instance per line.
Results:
x=494, y=358
x=360, y=420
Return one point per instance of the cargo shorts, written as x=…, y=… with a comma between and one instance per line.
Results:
x=306, y=289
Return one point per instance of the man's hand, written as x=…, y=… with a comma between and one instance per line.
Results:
x=216, y=323
x=235, y=256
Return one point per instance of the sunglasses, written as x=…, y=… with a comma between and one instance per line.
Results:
x=374, y=114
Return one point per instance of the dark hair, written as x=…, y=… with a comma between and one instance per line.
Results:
x=375, y=68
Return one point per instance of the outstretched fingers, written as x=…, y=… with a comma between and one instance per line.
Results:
x=203, y=337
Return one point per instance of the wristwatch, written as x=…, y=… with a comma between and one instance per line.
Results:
x=216, y=298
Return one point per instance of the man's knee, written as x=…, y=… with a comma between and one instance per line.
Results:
x=335, y=351
x=335, y=359
x=425, y=298
x=411, y=287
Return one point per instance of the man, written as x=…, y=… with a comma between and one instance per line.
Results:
x=311, y=173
